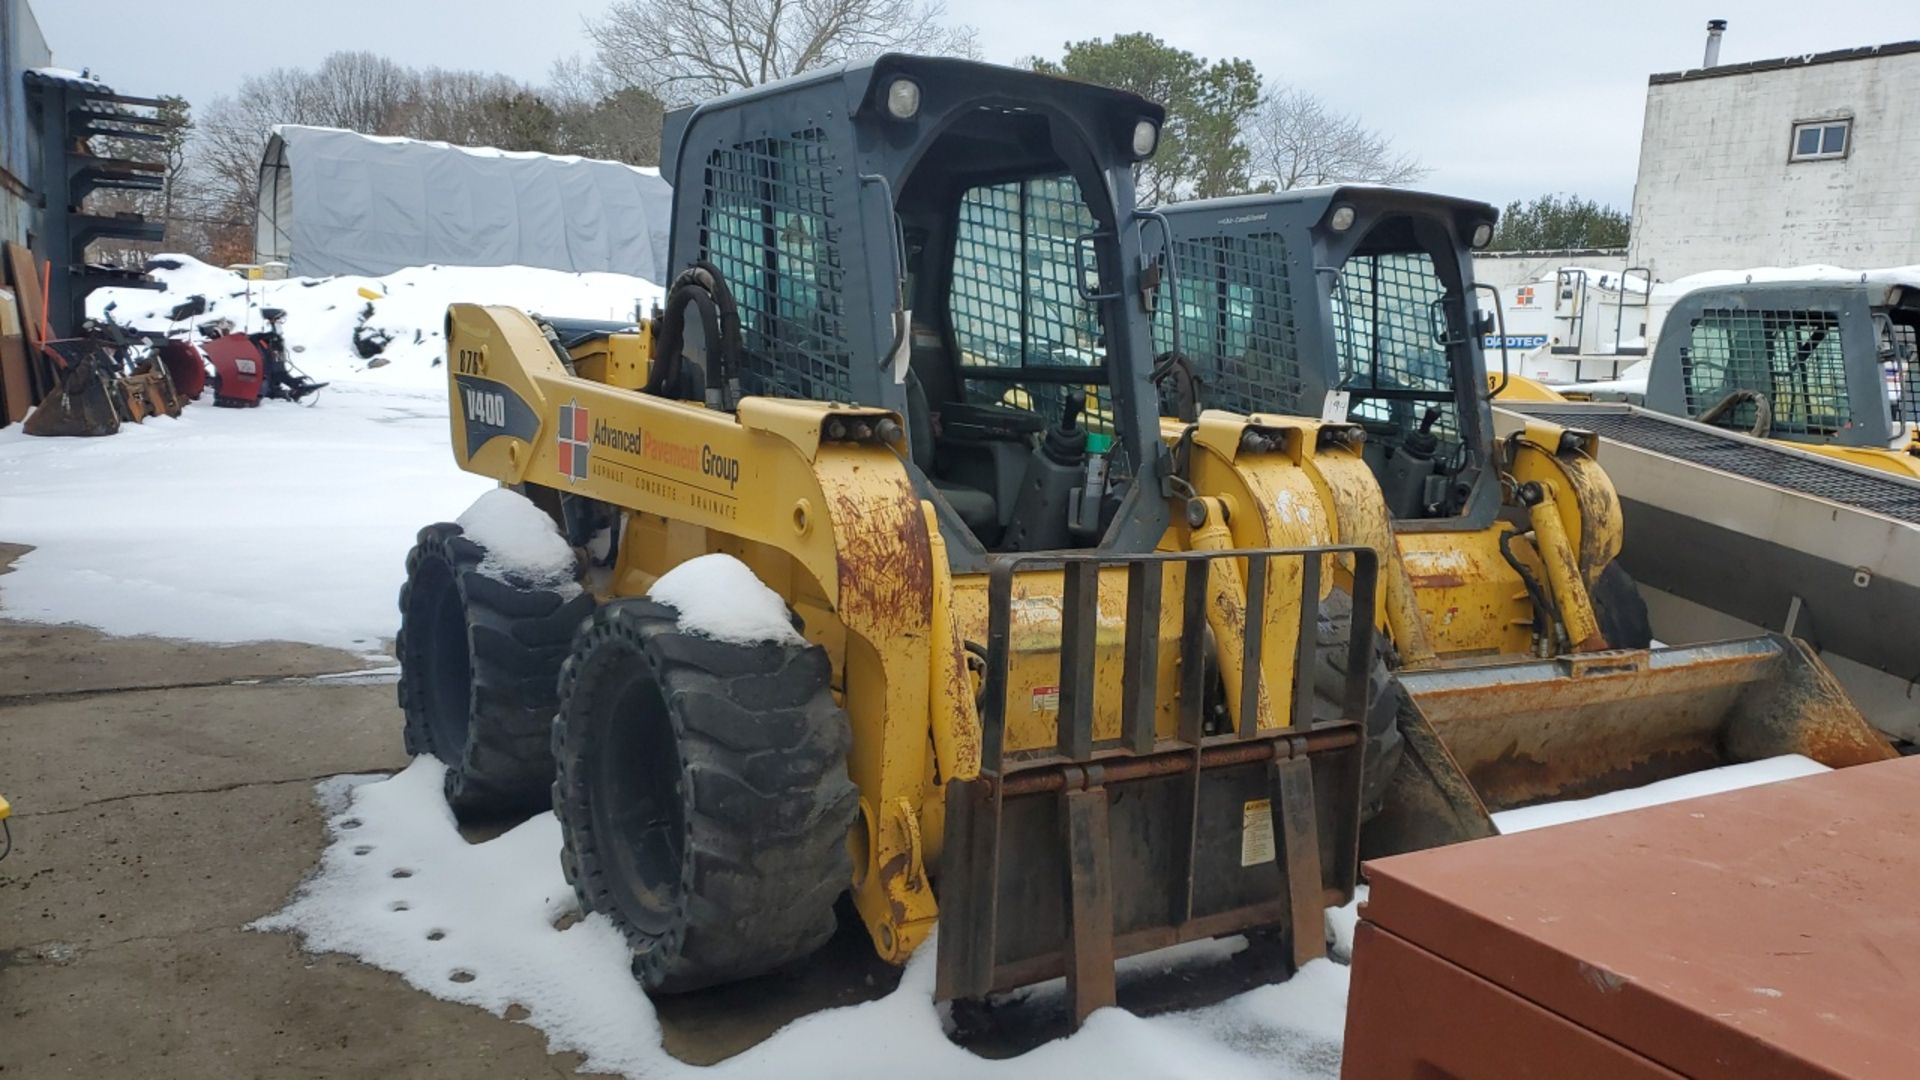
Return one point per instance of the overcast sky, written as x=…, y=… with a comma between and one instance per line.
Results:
x=1501, y=101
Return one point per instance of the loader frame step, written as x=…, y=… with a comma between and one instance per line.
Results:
x=1752, y=459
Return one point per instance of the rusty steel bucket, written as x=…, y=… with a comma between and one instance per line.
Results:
x=1589, y=723
x=82, y=400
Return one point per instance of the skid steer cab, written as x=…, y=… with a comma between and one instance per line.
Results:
x=1061, y=685
x=1831, y=366
x=1518, y=639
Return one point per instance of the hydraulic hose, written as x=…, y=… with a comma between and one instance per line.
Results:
x=1185, y=389
x=703, y=288
x=1542, y=602
x=1762, y=411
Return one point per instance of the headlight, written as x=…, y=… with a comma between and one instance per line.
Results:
x=1146, y=136
x=903, y=99
x=1342, y=219
x=1482, y=235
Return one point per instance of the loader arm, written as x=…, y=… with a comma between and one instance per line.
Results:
x=810, y=495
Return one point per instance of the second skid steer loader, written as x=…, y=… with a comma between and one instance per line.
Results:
x=1518, y=637
x=1064, y=684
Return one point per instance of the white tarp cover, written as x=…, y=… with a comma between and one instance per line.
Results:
x=339, y=202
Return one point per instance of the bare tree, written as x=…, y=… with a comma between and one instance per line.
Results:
x=1297, y=141
x=359, y=91
x=685, y=50
x=451, y=106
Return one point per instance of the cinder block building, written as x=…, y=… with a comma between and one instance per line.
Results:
x=1803, y=159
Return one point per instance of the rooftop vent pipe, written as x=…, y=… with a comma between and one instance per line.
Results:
x=1715, y=27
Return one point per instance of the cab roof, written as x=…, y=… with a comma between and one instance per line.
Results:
x=864, y=82
x=1316, y=199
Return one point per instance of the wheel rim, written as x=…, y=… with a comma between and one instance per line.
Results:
x=636, y=802
x=449, y=670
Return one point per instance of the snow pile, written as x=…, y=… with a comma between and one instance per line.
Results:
x=398, y=320
x=718, y=596
x=476, y=923
x=1727, y=778
x=399, y=888
x=523, y=546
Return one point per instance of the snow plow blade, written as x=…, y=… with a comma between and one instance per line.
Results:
x=1586, y=724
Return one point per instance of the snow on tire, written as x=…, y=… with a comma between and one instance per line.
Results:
x=702, y=793
x=480, y=660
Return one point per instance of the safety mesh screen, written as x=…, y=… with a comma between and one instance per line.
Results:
x=767, y=224
x=1236, y=322
x=1903, y=373
x=1793, y=357
x=1015, y=297
x=1384, y=323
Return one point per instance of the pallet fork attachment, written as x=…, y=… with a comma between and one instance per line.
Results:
x=1253, y=828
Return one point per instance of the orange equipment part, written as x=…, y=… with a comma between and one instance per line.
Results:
x=1768, y=932
x=46, y=299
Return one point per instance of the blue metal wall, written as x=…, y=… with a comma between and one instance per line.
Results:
x=21, y=48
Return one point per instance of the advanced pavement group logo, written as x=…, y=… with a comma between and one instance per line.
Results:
x=576, y=426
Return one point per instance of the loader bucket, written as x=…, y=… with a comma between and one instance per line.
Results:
x=1590, y=723
x=81, y=402
x=1061, y=860
x=1429, y=801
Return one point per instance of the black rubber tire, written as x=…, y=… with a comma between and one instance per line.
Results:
x=479, y=666
x=1621, y=610
x=703, y=796
x=1384, y=696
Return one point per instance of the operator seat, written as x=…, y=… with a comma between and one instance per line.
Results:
x=976, y=508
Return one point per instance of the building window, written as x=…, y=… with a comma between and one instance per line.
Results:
x=1818, y=140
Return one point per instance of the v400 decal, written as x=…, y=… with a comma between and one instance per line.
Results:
x=491, y=410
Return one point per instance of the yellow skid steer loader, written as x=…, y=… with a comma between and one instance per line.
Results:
x=1518, y=637
x=1053, y=687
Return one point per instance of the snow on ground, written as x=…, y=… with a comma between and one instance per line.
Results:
x=718, y=596
x=1726, y=778
x=399, y=888
x=474, y=923
x=286, y=521
x=1340, y=924
x=228, y=525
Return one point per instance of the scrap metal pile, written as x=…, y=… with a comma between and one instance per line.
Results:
x=110, y=374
